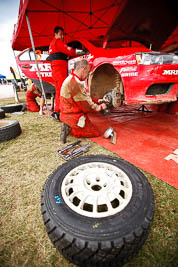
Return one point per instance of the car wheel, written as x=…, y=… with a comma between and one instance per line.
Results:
x=97, y=210
x=9, y=129
x=105, y=77
x=2, y=113
x=12, y=108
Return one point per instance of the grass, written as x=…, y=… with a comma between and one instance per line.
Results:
x=25, y=164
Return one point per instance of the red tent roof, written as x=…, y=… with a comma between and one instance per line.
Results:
x=83, y=19
x=102, y=21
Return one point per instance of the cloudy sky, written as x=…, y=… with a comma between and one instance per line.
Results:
x=8, y=17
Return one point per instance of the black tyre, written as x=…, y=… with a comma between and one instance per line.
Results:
x=9, y=129
x=12, y=108
x=97, y=210
x=2, y=113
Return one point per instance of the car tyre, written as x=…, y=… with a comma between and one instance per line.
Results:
x=2, y=113
x=12, y=108
x=9, y=129
x=100, y=237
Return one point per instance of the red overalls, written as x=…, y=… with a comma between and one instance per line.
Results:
x=75, y=104
x=59, y=53
x=31, y=96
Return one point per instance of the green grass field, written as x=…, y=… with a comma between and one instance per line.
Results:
x=25, y=164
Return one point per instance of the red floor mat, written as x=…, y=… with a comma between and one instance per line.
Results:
x=145, y=139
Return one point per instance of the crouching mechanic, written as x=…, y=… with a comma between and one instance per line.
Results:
x=31, y=94
x=75, y=103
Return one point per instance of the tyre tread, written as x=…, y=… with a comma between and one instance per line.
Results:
x=12, y=108
x=10, y=131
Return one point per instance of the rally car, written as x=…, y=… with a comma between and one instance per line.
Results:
x=136, y=75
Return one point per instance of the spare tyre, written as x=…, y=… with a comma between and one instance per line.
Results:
x=97, y=210
x=9, y=129
x=2, y=113
x=12, y=108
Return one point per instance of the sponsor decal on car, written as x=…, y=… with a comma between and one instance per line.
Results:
x=170, y=72
x=125, y=69
x=45, y=74
x=45, y=69
x=129, y=74
x=42, y=67
x=124, y=62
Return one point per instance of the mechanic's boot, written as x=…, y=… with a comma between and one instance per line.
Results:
x=65, y=130
x=55, y=115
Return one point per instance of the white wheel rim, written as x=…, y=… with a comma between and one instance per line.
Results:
x=96, y=189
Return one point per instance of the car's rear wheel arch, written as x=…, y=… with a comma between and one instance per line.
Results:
x=105, y=77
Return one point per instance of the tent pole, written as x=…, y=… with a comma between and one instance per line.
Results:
x=18, y=68
x=38, y=70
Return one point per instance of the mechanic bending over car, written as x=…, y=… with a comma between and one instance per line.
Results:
x=58, y=55
x=75, y=103
x=31, y=94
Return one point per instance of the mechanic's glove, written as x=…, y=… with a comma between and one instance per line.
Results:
x=105, y=112
x=104, y=106
x=101, y=101
x=104, y=109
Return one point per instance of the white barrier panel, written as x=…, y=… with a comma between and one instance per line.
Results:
x=6, y=91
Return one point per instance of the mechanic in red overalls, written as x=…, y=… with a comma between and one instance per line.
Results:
x=58, y=54
x=31, y=94
x=76, y=103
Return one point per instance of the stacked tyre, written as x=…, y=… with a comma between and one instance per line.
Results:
x=2, y=113
x=12, y=108
x=9, y=129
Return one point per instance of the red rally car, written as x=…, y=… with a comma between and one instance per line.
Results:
x=137, y=74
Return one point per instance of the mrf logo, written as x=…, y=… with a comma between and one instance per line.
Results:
x=42, y=67
x=45, y=69
x=170, y=72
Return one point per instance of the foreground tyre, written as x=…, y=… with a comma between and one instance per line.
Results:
x=12, y=108
x=97, y=210
x=2, y=113
x=9, y=129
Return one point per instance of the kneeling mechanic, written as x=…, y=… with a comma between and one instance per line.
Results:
x=75, y=103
